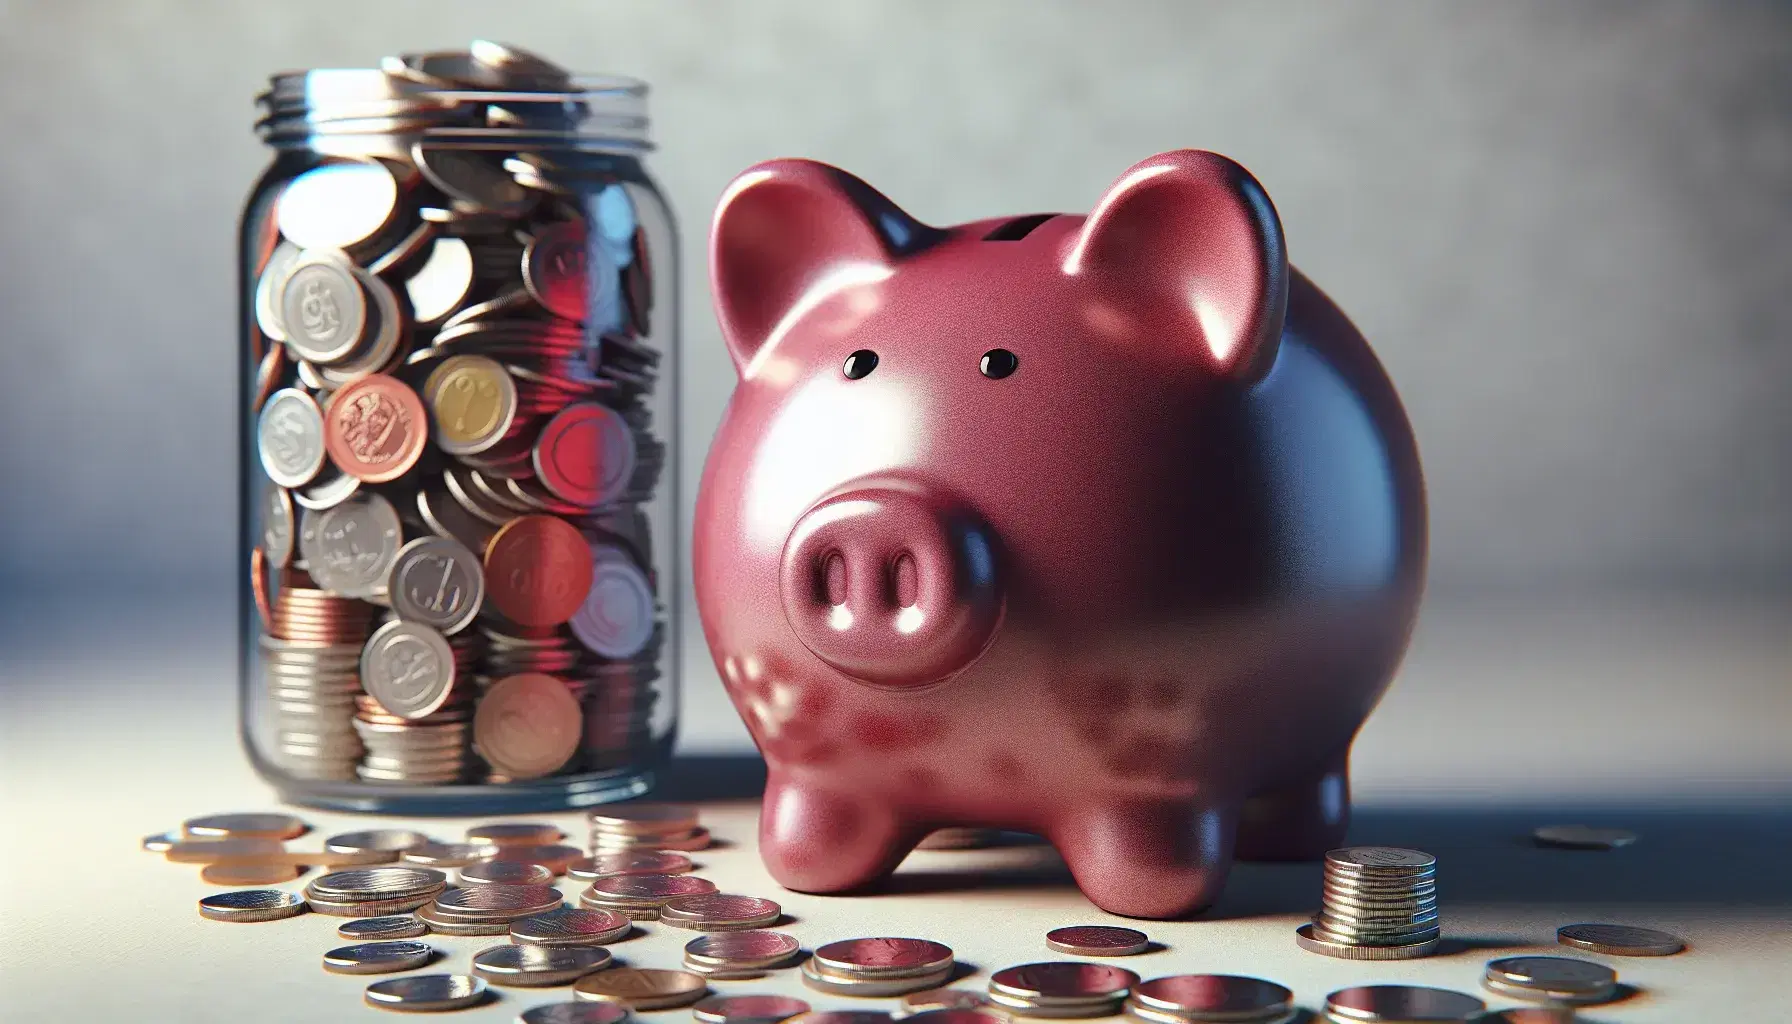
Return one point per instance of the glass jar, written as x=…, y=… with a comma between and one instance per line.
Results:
x=459, y=338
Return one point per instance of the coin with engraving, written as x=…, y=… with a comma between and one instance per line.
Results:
x=277, y=527
x=585, y=454
x=394, y=839
x=944, y=999
x=473, y=178
x=1620, y=940
x=378, y=957
x=531, y=965
x=497, y=900
x=554, y=269
x=538, y=570
x=752, y=949
x=338, y=205
x=1383, y=859
x=571, y=926
x=650, y=888
x=1097, y=940
x=493, y=872
x=630, y=862
x=1400, y=1003
x=270, y=287
x=324, y=307
x=248, y=873
x=643, y=988
x=374, y=929
x=474, y=402
x=599, y=1012
x=408, y=667
x=266, y=826
x=350, y=548
x=515, y=833
x=251, y=905
x=448, y=855
x=748, y=1009
x=426, y=992
x=289, y=437
x=381, y=883
x=1213, y=996
x=719, y=911
x=527, y=725
x=375, y=429
x=1583, y=837
x=442, y=283
x=886, y=955
x=617, y=617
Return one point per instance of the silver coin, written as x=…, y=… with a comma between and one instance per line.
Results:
x=334, y=488
x=289, y=437
x=498, y=872
x=409, y=668
x=350, y=548
x=1391, y=858
x=267, y=826
x=752, y=948
x=378, y=957
x=376, y=883
x=1401, y=1003
x=1620, y=940
x=426, y=992
x=442, y=283
x=323, y=307
x=1562, y=997
x=844, y=1017
x=494, y=900
x=270, y=287
x=748, y=1009
x=870, y=985
x=370, y=929
x=1554, y=973
x=1578, y=837
x=538, y=965
x=617, y=617
x=387, y=327
x=396, y=839
x=448, y=855
x=437, y=582
x=337, y=206
x=276, y=525
x=251, y=905
x=571, y=926
x=161, y=842
x=443, y=924
x=575, y=1013
x=472, y=178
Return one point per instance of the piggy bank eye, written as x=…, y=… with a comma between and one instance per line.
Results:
x=860, y=364
x=998, y=363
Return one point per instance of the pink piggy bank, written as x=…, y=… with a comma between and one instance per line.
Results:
x=1109, y=528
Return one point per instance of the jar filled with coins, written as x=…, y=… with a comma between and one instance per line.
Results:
x=459, y=344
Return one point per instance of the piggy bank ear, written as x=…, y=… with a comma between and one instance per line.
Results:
x=789, y=232
x=1190, y=244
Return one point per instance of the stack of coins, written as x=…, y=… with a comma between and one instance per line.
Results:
x=487, y=909
x=452, y=349
x=1380, y=903
x=1554, y=979
x=1062, y=989
x=740, y=954
x=720, y=912
x=1205, y=998
x=641, y=897
x=626, y=827
x=374, y=892
x=878, y=967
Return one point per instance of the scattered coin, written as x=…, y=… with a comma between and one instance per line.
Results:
x=749, y=1009
x=515, y=833
x=374, y=929
x=498, y=902
x=1197, y=998
x=447, y=855
x=596, y=1012
x=642, y=988
x=1097, y=940
x=718, y=912
x=1400, y=1003
x=745, y=951
x=394, y=840
x=426, y=992
x=1558, y=978
x=641, y=897
x=251, y=905
x=533, y=965
x=266, y=826
x=556, y=857
x=496, y=872
x=161, y=842
x=644, y=818
x=378, y=957
x=248, y=873
x=884, y=955
x=1062, y=988
x=1582, y=837
x=630, y=862
x=1620, y=940
x=571, y=926
x=442, y=924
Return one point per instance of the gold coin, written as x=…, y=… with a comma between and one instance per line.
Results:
x=473, y=401
x=642, y=988
x=250, y=873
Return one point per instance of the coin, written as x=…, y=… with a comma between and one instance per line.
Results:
x=1553, y=973
x=869, y=985
x=1061, y=980
x=248, y=873
x=378, y=957
x=1387, y=858
x=1400, y=1003
x=337, y=206
x=718, y=911
x=367, y=929
x=884, y=955
x=642, y=988
x=426, y=992
x=1581, y=837
x=751, y=949
x=656, y=889
x=585, y=454
x=212, y=851
x=494, y=872
x=507, y=901
x=644, y=818
x=1309, y=940
x=378, y=883
x=276, y=525
x=554, y=269
x=161, y=842
x=631, y=862
x=350, y=548
x=943, y=999
x=617, y=617
x=575, y=1013
x=251, y=905
x=1620, y=940
x=375, y=429
x=445, y=925
x=324, y=307
x=571, y=927
x=408, y=668
x=474, y=401
x=448, y=855
x=515, y=833
x=961, y=1015
x=538, y=570
x=1545, y=995
x=1529, y=1015
x=267, y=826
x=527, y=725
x=392, y=839
x=1097, y=940
x=472, y=178
x=290, y=437
x=532, y=965
x=442, y=283
x=1214, y=996
x=268, y=289
x=553, y=856
x=750, y=1009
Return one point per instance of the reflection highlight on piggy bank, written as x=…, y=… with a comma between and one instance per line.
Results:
x=1106, y=527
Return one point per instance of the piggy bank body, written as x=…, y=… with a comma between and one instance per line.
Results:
x=1107, y=527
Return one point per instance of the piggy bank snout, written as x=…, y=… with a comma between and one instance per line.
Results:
x=890, y=587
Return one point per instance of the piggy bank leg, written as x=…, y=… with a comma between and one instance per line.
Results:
x=1299, y=821
x=1151, y=860
x=817, y=840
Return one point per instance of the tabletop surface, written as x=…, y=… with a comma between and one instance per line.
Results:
x=95, y=929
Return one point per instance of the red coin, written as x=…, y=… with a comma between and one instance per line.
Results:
x=585, y=455
x=537, y=570
x=375, y=429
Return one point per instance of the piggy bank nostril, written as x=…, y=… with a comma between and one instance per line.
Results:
x=905, y=581
x=833, y=578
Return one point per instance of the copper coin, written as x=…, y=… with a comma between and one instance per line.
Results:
x=585, y=454
x=742, y=949
x=749, y=1009
x=375, y=429
x=1097, y=940
x=515, y=833
x=650, y=888
x=553, y=856
x=719, y=911
x=883, y=956
x=506, y=873
x=643, y=988
x=645, y=819
x=1400, y=1003
x=1062, y=980
x=527, y=725
x=1212, y=994
x=538, y=570
x=248, y=874
x=258, y=585
x=630, y=862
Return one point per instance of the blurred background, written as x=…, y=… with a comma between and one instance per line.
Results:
x=1566, y=227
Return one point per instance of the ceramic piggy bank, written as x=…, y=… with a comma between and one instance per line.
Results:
x=1106, y=527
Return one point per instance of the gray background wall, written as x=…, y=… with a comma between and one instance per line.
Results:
x=1565, y=225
